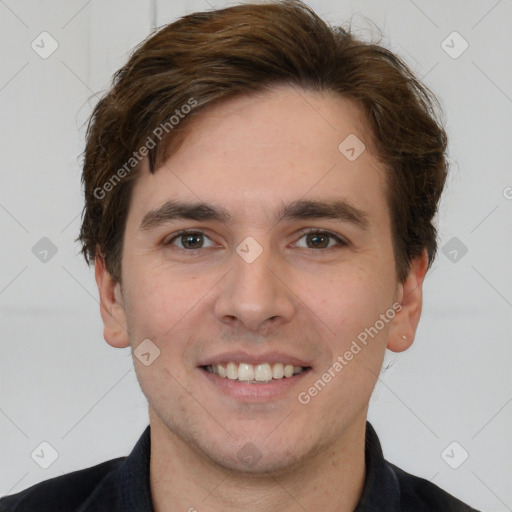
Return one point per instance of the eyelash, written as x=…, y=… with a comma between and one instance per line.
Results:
x=340, y=242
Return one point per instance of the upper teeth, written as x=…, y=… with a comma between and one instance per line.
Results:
x=264, y=372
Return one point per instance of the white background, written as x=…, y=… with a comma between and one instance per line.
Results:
x=61, y=383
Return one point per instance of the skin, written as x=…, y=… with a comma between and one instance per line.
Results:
x=250, y=155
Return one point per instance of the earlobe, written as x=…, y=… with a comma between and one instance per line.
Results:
x=112, y=308
x=405, y=323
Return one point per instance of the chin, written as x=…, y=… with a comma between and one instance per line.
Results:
x=249, y=460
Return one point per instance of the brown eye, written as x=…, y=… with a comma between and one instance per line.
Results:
x=188, y=240
x=191, y=240
x=322, y=240
x=318, y=240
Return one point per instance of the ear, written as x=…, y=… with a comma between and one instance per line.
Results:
x=112, y=309
x=410, y=294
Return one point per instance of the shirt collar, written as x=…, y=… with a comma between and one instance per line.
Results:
x=381, y=490
x=133, y=478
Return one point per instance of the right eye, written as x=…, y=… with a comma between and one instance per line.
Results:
x=188, y=239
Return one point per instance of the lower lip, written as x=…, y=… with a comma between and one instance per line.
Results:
x=254, y=392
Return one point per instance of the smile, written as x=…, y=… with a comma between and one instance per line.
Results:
x=260, y=373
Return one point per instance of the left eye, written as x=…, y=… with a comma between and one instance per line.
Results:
x=320, y=239
x=314, y=240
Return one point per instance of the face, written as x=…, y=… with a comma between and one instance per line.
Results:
x=285, y=268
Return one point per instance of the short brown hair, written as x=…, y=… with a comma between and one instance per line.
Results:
x=207, y=57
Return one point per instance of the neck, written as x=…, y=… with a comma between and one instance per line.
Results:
x=331, y=480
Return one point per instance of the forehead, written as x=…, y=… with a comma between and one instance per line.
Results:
x=266, y=149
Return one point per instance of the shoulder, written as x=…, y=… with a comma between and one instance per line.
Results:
x=420, y=495
x=63, y=493
x=389, y=488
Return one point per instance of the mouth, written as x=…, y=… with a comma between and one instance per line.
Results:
x=263, y=373
x=254, y=378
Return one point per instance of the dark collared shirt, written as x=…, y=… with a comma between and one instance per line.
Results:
x=122, y=485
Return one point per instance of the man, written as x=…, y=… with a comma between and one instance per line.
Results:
x=259, y=196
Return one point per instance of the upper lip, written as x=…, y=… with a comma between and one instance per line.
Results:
x=254, y=359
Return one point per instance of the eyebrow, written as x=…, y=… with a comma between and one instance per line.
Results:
x=301, y=209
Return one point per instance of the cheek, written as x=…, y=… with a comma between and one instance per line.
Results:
x=350, y=305
x=351, y=295
x=157, y=303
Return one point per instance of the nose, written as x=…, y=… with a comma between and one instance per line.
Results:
x=257, y=294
